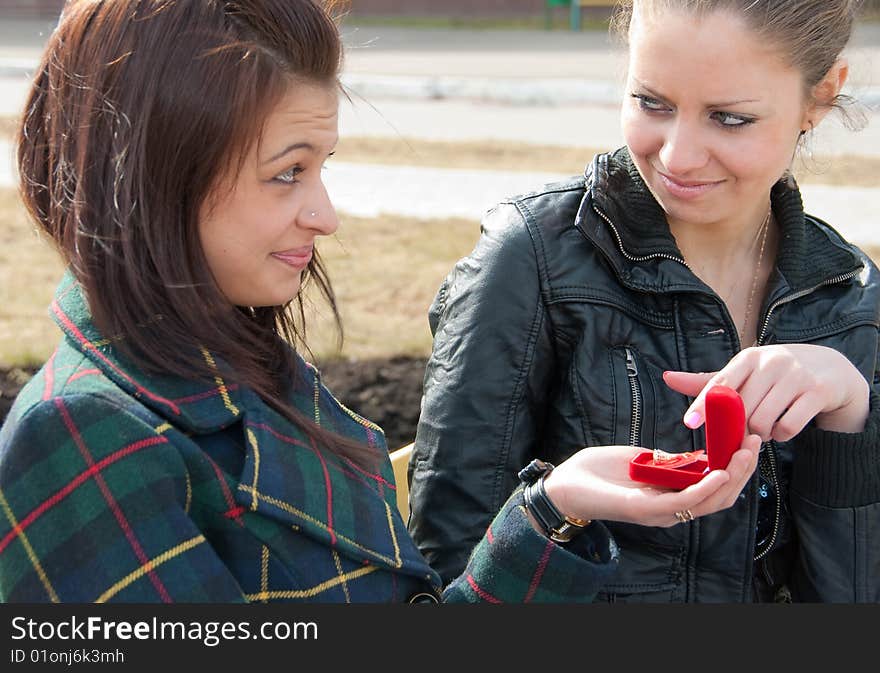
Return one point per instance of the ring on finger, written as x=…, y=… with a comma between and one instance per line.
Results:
x=684, y=516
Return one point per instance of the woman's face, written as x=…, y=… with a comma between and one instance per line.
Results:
x=258, y=230
x=711, y=116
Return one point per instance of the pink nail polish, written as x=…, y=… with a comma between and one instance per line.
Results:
x=692, y=420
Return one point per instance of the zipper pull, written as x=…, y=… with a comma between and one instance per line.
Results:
x=631, y=369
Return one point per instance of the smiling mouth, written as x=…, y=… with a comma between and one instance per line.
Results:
x=297, y=257
x=687, y=188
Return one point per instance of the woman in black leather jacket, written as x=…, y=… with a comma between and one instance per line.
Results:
x=599, y=311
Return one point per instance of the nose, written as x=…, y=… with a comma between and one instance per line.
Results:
x=318, y=213
x=683, y=150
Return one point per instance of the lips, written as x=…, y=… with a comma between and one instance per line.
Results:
x=296, y=257
x=687, y=189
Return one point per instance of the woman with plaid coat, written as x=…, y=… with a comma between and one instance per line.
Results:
x=175, y=447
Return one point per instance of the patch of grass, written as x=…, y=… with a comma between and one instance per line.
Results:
x=8, y=127
x=385, y=272
x=29, y=272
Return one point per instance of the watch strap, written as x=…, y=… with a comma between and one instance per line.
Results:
x=556, y=525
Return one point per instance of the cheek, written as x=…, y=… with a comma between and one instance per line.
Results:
x=642, y=137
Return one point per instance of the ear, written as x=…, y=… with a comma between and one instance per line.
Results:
x=824, y=93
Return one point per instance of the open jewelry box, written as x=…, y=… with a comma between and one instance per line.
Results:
x=725, y=427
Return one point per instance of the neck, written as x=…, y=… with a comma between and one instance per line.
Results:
x=734, y=263
x=721, y=252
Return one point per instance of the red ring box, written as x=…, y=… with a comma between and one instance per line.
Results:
x=725, y=428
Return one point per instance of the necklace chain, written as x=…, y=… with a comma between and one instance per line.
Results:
x=762, y=232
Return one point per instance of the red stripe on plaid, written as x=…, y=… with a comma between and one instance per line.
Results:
x=234, y=513
x=49, y=377
x=83, y=372
x=111, y=501
x=371, y=475
x=213, y=392
x=90, y=347
x=539, y=572
x=485, y=595
x=292, y=440
x=284, y=438
x=329, y=488
x=75, y=483
x=227, y=494
x=490, y=536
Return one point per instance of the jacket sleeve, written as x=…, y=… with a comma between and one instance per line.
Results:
x=95, y=509
x=835, y=501
x=513, y=563
x=484, y=384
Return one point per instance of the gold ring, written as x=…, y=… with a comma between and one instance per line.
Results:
x=685, y=516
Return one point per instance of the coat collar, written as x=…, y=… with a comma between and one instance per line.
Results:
x=285, y=475
x=808, y=254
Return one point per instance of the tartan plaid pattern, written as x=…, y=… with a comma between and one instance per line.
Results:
x=120, y=486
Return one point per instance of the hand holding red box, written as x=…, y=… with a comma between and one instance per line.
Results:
x=725, y=428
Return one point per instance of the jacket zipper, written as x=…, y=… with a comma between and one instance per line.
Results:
x=767, y=447
x=654, y=255
x=632, y=373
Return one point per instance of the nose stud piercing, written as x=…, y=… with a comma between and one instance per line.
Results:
x=313, y=214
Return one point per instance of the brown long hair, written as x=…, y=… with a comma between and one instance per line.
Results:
x=138, y=109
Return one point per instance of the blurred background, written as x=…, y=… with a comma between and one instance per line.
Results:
x=453, y=106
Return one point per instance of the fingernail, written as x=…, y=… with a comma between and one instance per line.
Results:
x=692, y=420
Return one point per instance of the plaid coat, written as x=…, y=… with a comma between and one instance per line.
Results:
x=119, y=486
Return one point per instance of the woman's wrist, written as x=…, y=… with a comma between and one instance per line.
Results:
x=850, y=417
x=542, y=509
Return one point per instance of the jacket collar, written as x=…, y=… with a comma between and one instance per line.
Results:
x=193, y=406
x=285, y=475
x=808, y=255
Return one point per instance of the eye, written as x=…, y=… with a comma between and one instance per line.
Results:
x=650, y=104
x=730, y=120
x=288, y=177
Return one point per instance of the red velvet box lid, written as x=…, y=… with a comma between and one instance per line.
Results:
x=725, y=427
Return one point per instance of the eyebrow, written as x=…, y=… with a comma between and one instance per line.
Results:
x=723, y=104
x=289, y=149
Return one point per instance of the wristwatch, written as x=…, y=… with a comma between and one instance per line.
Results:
x=556, y=525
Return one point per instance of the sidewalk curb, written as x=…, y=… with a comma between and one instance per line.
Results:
x=547, y=91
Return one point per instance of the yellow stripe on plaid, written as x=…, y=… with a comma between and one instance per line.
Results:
x=252, y=439
x=317, y=400
x=29, y=550
x=264, y=571
x=221, y=386
x=395, y=562
x=149, y=566
x=315, y=590
x=338, y=563
x=189, y=494
x=163, y=428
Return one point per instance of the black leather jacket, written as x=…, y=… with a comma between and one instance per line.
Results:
x=553, y=334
